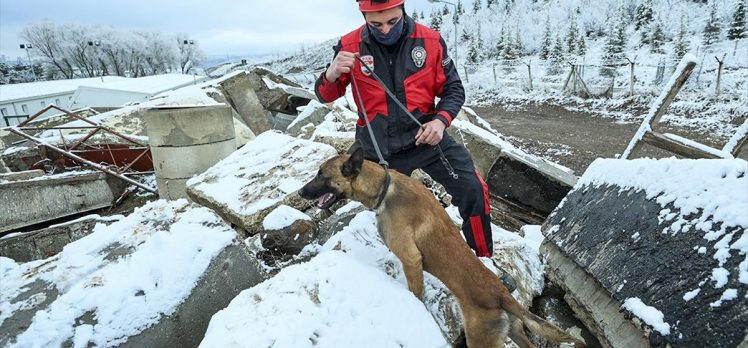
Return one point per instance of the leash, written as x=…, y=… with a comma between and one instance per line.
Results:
x=382, y=162
x=389, y=93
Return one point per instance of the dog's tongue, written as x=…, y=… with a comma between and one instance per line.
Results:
x=322, y=202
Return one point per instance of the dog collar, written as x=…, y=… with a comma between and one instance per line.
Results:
x=385, y=187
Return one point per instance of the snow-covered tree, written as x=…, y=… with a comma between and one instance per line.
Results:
x=545, y=48
x=712, y=28
x=737, y=29
x=615, y=45
x=571, y=37
x=436, y=20
x=476, y=6
x=460, y=8
x=414, y=15
x=657, y=38
x=466, y=35
x=556, y=57
x=489, y=3
x=681, y=40
x=473, y=55
x=644, y=14
x=445, y=10
x=582, y=45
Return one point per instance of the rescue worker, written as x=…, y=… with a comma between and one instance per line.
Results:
x=412, y=61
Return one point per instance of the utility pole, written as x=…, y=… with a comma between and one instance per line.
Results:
x=95, y=45
x=27, y=47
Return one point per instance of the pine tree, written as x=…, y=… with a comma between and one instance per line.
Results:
x=545, y=48
x=473, y=55
x=644, y=14
x=490, y=3
x=582, y=45
x=500, y=43
x=615, y=45
x=476, y=6
x=414, y=15
x=422, y=16
x=737, y=29
x=681, y=40
x=466, y=36
x=712, y=28
x=556, y=57
x=571, y=37
x=445, y=10
x=436, y=20
x=460, y=9
x=519, y=48
x=657, y=38
x=508, y=46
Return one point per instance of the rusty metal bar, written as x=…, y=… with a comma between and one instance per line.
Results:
x=58, y=127
x=135, y=160
x=83, y=140
x=96, y=166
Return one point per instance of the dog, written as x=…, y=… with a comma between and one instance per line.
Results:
x=417, y=229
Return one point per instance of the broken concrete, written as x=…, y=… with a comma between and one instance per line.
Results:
x=244, y=187
x=238, y=92
x=24, y=175
x=278, y=94
x=314, y=113
x=32, y=201
x=153, y=279
x=47, y=242
x=662, y=243
x=186, y=141
x=524, y=189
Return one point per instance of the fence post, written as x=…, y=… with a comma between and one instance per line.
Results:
x=719, y=72
x=529, y=73
x=467, y=78
x=571, y=73
x=495, y=82
x=631, y=76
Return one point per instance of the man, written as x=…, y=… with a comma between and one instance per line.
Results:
x=412, y=61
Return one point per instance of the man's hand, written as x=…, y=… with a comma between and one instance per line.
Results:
x=431, y=133
x=342, y=64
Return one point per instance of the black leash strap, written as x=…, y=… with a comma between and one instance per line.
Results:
x=397, y=101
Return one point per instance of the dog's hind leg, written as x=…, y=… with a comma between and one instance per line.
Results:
x=517, y=334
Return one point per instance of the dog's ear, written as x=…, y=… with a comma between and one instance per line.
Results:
x=352, y=166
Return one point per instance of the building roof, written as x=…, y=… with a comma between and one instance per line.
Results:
x=151, y=84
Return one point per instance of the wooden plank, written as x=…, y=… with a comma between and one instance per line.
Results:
x=665, y=143
x=674, y=89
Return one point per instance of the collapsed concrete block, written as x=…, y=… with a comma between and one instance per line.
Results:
x=47, y=242
x=287, y=230
x=251, y=182
x=32, y=201
x=524, y=189
x=238, y=92
x=24, y=175
x=651, y=254
x=152, y=279
x=314, y=113
x=278, y=94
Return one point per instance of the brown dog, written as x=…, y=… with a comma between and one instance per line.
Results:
x=420, y=233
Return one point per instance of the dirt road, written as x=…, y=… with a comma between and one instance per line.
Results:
x=575, y=139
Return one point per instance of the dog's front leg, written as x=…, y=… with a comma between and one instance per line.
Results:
x=412, y=262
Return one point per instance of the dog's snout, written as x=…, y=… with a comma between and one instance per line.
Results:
x=302, y=192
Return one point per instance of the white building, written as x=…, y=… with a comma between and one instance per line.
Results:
x=19, y=101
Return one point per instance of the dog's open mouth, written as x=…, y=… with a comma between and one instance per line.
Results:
x=327, y=200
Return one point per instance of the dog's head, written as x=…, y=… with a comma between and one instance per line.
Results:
x=334, y=178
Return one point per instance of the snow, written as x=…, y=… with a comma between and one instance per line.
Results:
x=702, y=147
x=741, y=133
x=171, y=243
x=282, y=217
x=648, y=314
x=308, y=111
x=152, y=84
x=691, y=294
x=704, y=192
x=728, y=295
x=262, y=172
x=533, y=236
x=17, y=91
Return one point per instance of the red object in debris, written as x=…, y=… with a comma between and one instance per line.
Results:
x=118, y=155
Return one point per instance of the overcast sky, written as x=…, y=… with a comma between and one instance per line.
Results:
x=238, y=27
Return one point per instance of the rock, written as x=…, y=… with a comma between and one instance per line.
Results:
x=237, y=90
x=47, y=242
x=246, y=186
x=314, y=113
x=278, y=94
x=40, y=199
x=287, y=231
x=649, y=234
x=552, y=306
x=152, y=279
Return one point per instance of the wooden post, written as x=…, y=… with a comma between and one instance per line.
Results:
x=719, y=72
x=495, y=82
x=529, y=74
x=467, y=78
x=631, y=78
x=571, y=73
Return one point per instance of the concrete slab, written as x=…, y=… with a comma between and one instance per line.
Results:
x=653, y=233
x=24, y=175
x=32, y=201
x=153, y=279
x=238, y=91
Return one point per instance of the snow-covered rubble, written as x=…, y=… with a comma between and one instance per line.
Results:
x=140, y=280
x=267, y=172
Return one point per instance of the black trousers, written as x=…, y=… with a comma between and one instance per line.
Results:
x=469, y=191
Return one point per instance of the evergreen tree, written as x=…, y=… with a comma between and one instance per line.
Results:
x=615, y=45
x=460, y=9
x=712, y=28
x=414, y=15
x=445, y=10
x=644, y=14
x=681, y=40
x=436, y=20
x=500, y=43
x=737, y=29
x=556, y=57
x=490, y=3
x=466, y=36
x=473, y=55
x=422, y=16
x=476, y=6
x=571, y=37
x=545, y=48
x=519, y=48
x=582, y=45
x=657, y=38
x=508, y=47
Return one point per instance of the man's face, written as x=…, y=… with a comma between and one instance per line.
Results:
x=384, y=20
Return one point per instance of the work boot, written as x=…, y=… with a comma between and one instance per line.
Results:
x=506, y=278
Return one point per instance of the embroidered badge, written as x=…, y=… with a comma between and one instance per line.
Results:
x=369, y=61
x=419, y=56
x=446, y=61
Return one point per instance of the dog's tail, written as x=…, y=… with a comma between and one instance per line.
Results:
x=536, y=324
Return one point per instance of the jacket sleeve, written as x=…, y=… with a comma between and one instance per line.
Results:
x=449, y=88
x=328, y=91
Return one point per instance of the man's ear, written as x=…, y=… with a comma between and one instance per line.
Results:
x=352, y=166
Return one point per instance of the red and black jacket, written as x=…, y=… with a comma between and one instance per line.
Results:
x=416, y=72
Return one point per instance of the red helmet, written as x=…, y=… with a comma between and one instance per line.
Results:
x=378, y=5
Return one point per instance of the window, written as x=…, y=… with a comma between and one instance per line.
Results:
x=57, y=101
x=42, y=103
x=25, y=109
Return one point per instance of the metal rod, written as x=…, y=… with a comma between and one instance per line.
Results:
x=81, y=160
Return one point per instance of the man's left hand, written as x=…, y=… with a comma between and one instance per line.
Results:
x=431, y=133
